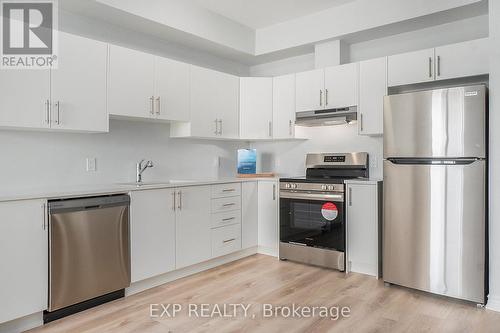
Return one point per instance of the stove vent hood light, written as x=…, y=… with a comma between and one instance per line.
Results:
x=330, y=117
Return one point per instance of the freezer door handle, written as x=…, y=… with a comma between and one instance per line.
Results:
x=434, y=161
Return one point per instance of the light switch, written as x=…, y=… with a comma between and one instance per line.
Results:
x=91, y=164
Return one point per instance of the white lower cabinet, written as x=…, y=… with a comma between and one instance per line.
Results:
x=226, y=240
x=152, y=233
x=362, y=220
x=268, y=217
x=192, y=225
x=23, y=258
x=249, y=214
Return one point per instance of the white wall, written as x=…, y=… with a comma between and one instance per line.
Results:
x=287, y=158
x=494, y=157
x=48, y=159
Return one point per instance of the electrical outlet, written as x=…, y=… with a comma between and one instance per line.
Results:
x=91, y=164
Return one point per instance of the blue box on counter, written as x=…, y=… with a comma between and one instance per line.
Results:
x=247, y=161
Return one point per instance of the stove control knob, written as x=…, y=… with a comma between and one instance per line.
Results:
x=294, y=186
x=287, y=185
x=323, y=187
x=330, y=187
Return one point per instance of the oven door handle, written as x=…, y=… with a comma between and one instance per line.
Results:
x=312, y=196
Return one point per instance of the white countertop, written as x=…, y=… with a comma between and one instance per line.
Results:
x=103, y=189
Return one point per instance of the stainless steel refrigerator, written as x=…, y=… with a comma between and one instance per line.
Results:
x=435, y=172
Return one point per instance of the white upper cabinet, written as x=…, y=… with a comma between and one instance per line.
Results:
x=309, y=90
x=79, y=85
x=214, y=106
x=256, y=108
x=412, y=67
x=131, y=83
x=372, y=89
x=24, y=258
x=25, y=99
x=284, y=106
x=152, y=233
x=463, y=59
x=171, y=90
x=341, y=86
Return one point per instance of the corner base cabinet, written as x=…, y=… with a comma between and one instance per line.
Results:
x=363, y=221
x=268, y=236
x=24, y=258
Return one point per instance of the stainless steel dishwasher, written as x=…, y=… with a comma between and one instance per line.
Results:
x=89, y=253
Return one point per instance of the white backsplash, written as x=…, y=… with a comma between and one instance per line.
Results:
x=39, y=159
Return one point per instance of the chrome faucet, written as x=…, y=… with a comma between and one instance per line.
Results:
x=140, y=168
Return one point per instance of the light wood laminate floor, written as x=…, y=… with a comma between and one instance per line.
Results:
x=261, y=279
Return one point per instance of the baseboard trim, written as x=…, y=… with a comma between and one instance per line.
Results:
x=156, y=281
x=493, y=303
x=22, y=324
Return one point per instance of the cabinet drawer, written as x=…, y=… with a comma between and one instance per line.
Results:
x=226, y=218
x=226, y=204
x=226, y=240
x=226, y=190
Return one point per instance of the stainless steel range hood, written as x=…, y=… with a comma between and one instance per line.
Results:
x=327, y=117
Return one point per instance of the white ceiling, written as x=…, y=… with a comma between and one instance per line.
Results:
x=258, y=14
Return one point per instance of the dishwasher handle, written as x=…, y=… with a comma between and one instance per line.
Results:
x=82, y=204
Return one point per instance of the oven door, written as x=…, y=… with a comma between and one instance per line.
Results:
x=313, y=219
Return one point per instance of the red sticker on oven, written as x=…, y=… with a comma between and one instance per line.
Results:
x=329, y=211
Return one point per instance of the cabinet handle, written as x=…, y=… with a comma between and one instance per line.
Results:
x=44, y=212
x=158, y=105
x=152, y=105
x=228, y=240
x=58, y=107
x=229, y=190
x=350, y=196
x=47, y=111
x=216, y=127
x=361, y=121
x=326, y=97
x=228, y=204
x=180, y=200
x=439, y=66
x=430, y=67
x=270, y=129
x=220, y=126
x=274, y=191
x=320, y=97
x=290, y=127
x=173, y=200
x=228, y=219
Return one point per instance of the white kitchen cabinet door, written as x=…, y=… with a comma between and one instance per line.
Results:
x=130, y=83
x=268, y=217
x=24, y=258
x=372, y=89
x=256, y=108
x=249, y=214
x=228, y=92
x=284, y=106
x=171, y=90
x=309, y=94
x=79, y=85
x=193, y=240
x=412, y=67
x=152, y=233
x=25, y=98
x=206, y=100
x=463, y=59
x=362, y=229
x=341, y=86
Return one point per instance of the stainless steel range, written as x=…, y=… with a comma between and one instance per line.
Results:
x=312, y=210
